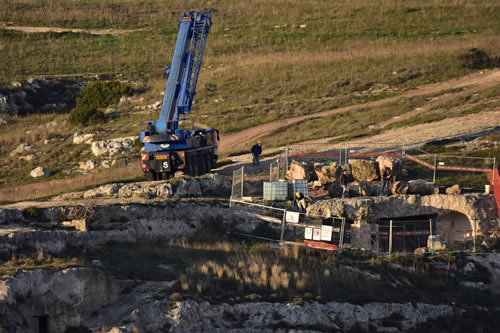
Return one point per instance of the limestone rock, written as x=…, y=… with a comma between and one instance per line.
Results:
x=419, y=186
x=392, y=163
x=399, y=187
x=298, y=170
x=107, y=190
x=79, y=138
x=455, y=189
x=215, y=185
x=28, y=157
x=328, y=173
x=89, y=165
x=113, y=146
x=335, y=190
x=39, y=172
x=146, y=190
x=362, y=189
x=364, y=170
x=23, y=147
x=436, y=243
x=261, y=316
x=188, y=188
x=420, y=251
x=80, y=224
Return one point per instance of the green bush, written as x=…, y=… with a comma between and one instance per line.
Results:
x=97, y=95
x=86, y=117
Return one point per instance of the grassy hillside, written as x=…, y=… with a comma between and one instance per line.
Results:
x=265, y=60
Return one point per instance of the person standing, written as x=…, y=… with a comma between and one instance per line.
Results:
x=256, y=151
x=386, y=178
x=344, y=179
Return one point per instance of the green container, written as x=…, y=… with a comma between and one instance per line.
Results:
x=275, y=191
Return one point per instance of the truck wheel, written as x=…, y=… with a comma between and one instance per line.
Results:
x=148, y=176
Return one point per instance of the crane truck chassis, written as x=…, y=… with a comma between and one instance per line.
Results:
x=167, y=147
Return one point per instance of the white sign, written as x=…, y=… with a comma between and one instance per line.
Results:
x=308, y=233
x=292, y=217
x=317, y=234
x=326, y=233
x=441, y=163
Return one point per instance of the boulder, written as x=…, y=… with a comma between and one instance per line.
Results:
x=364, y=170
x=491, y=243
x=39, y=172
x=455, y=189
x=89, y=165
x=420, y=186
x=399, y=187
x=103, y=191
x=79, y=138
x=298, y=170
x=28, y=157
x=335, y=190
x=188, y=188
x=215, y=185
x=80, y=224
x=146, y=190
x=327, y=173
x=436, y=243
x=23, y=147
x=392, y=163
x=113, y=146
x=420, y=251
x=362, y=189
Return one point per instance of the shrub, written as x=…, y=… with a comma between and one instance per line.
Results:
x=97, y=95
x=85, y=117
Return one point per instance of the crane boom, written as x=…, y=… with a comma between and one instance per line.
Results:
x=164, y=135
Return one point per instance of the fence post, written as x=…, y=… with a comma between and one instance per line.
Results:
x=341, y=238
x=435, y=166
x=430, y=234
x=474, y=235
x=232, y=191
x=340, y=156
x=390, y=237
x=286, y=160
x=493, y=173
x=282, y=227
x=242, y=179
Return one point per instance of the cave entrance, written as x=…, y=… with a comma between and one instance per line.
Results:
x=43, y=324
x=408, y=233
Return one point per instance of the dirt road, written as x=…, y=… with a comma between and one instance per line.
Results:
x=449, y=127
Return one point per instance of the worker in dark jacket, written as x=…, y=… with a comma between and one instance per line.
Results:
x=344, y=180
x=386, y=178
x=256, y=151
x=301, y=201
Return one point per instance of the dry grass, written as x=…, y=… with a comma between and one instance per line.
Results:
x=53, y=187
x=36, y=260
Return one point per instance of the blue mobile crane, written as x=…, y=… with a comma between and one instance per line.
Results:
x=169, y=148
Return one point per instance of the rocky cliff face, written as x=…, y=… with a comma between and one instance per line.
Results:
x=119, y=222
x=476, y=207
x=67, y=298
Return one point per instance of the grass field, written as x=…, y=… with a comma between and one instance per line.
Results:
x=264, y=61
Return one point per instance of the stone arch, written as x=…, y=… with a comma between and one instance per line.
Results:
x=454, y=226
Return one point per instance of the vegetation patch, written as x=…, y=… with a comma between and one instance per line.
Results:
x=94, y=96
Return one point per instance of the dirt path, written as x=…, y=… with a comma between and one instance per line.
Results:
x=478, y=81
x=62, y=30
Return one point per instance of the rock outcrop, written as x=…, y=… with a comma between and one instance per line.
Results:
x=39, y=96
x=298, y=170
x=67, y=298
x=79, y=138
x=476, y=207
x=22, y=148
x=331, y=316
x=364, y=170
x=113, y=146
x=40, y=172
